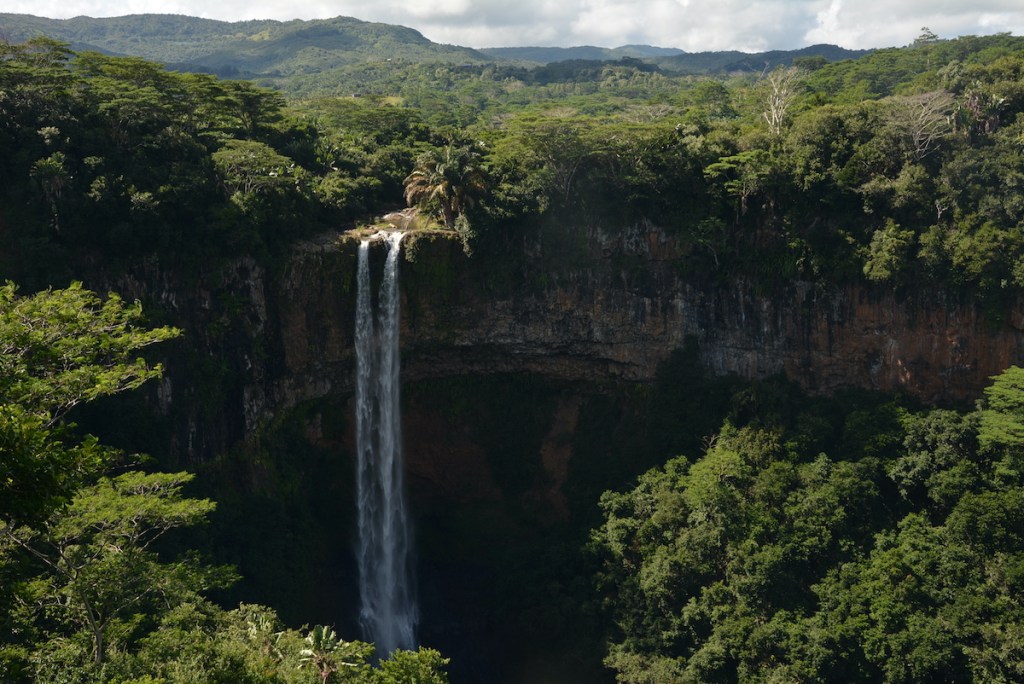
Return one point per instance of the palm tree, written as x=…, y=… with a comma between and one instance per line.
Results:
x=329, y=654
x=451, y=177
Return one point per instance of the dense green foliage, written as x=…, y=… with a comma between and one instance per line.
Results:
x=880, y=169
x=61, y=348
x=119, y=156
x=826, y=544
x=899, y=167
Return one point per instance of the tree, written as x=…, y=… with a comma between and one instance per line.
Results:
x=743, y=175
x=199, y=642
x=135, y=98
x=328, y=654
x=887, y=255
x=59, y=348
x=34, y=80
x=39, y=467
x=255, y=109
x=979, y=112
x=248, y=167
x=452, y=178
x=52, y=175
x=925, y=120
x=941, y=460
x=1002, y=418
x=780, y=89
x=424, y=666
x=927, y=37
x=100, y=570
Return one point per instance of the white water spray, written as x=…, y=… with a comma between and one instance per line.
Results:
x=388, y=613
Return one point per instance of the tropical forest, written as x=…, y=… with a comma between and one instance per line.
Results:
x=332, y=354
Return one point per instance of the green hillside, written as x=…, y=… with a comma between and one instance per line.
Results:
x=275, y=50
x=247, y=48
x=546, y=55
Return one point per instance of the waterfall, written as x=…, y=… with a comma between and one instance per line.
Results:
x=388, y=612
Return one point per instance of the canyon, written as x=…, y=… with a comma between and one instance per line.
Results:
x=525, y=395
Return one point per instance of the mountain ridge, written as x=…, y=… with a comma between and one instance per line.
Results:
x=267, y=47
x=252, y=47
x=544, y=55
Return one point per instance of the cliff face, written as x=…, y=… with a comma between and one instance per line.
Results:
x=620, y=314
x=261, y=342
x=612, y=315
x=621, y=321
x=602, y=325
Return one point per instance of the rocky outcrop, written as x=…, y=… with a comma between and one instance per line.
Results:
x=608, y=320
x=935, y=347
x=284, y=337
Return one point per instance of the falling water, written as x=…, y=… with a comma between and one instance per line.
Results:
x=388, y=613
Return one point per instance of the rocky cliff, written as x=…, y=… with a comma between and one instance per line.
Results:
x=527, y=393
x=260, y=342
x=620, y=314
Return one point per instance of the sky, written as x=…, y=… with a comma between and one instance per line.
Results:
x=692, y=25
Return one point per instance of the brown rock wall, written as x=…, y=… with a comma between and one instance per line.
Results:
x=285, y=335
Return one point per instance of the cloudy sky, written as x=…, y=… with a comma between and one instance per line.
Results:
x=693, y=25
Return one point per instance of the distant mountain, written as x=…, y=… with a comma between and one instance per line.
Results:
x=245, y=48
x=547, y=55
x=732, y=60
x=161, y=37
x=672, y=59
x=646, y=51
x=275, y=51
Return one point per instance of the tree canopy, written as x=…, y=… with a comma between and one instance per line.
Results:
x=893, y=555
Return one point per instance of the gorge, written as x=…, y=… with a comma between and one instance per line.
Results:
x=521, y=403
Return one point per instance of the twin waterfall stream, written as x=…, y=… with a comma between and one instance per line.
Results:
x=388, y=613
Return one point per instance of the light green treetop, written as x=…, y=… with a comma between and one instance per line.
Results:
x=59, y=348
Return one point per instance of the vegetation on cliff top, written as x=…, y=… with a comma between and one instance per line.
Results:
x=900, y=167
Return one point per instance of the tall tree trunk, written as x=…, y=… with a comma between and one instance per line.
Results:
x=448, y=213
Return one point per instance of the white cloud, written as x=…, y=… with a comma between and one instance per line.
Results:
x=693, y=25
x=828, y=19
x=882, y=23
x=432, y=9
